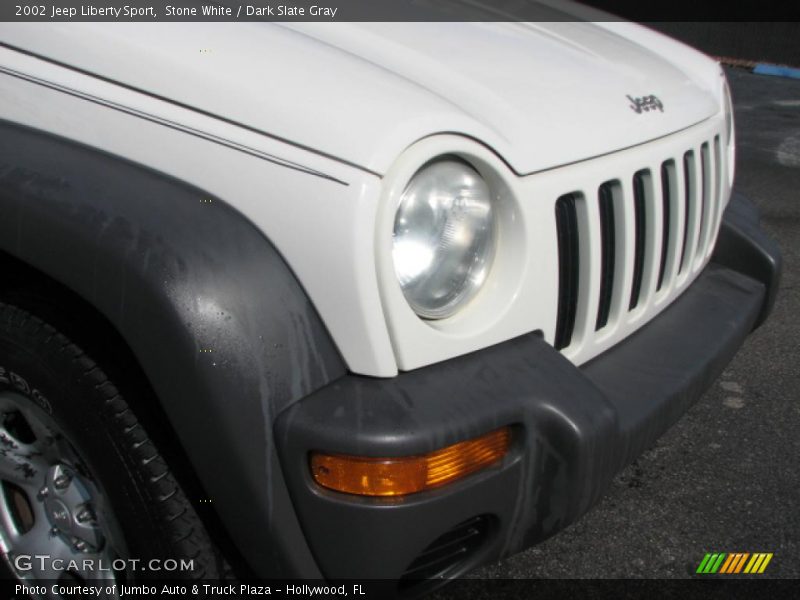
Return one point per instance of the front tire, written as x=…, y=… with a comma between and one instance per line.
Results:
x=79, y=476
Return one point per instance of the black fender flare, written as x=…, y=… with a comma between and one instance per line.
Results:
x=218, y=322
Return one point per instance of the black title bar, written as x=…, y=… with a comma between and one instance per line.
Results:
x=394, y=10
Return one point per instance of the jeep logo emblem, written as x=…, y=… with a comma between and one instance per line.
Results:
x=645, y=104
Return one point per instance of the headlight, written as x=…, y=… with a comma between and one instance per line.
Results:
x=443, y=239
x=728, y=114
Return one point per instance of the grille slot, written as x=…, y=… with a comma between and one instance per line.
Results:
x=690, y=203
x=717, y=188
x=668, y=201
x=640, y=181
x=447, y=552
x=568, y=268
x=706, y=175
x=605, y=198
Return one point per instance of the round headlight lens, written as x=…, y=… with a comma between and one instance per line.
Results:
x=443, y=239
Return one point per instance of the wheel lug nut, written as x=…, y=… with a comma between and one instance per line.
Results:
x=85, y=515
x=43, y=493
x=62, y=481
x=81, y=546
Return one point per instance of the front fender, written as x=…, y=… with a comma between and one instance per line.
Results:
x=218, y=322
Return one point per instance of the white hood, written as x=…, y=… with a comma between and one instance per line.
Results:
x=540, y=95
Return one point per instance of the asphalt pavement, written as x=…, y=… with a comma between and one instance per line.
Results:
x=725, y=478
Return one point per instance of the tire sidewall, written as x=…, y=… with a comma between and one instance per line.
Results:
x=57, y=378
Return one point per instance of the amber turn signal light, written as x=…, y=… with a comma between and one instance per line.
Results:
x=398, y=476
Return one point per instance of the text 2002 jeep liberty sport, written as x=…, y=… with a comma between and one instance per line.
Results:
x=352, y=300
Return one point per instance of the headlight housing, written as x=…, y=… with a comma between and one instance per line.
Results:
x=729, y=132
x=444, y=237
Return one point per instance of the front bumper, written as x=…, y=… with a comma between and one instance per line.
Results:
x=575, y=428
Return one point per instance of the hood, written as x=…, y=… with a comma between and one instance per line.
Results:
x=541, y=95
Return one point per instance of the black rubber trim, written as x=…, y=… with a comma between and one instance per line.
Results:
x=744, y=246
x=216, y=319
x=574, y=428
